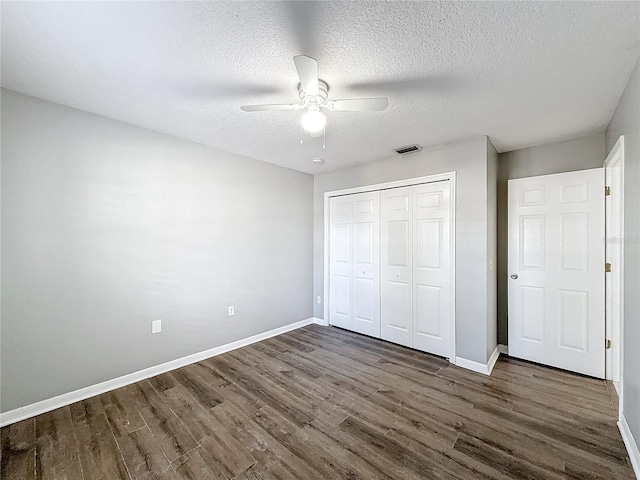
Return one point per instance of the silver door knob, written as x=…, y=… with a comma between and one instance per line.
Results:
x=514, y=276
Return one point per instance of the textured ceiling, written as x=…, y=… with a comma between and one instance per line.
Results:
x=524, y=73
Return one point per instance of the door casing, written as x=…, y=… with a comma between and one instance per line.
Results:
x=614, y=246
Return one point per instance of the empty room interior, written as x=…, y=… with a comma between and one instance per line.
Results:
x=258, y=240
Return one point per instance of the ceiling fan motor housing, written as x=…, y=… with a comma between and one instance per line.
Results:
x=323, y=93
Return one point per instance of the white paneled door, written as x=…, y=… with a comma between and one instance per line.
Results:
x=366, y=263
x=416, y=267
x=354, y=256
x=396, y=271
x=341, y=264
x=556, y=269
x=432, y=287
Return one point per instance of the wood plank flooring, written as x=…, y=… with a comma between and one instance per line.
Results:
x=323, y=403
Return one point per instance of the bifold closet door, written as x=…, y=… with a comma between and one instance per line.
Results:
x=396, y=271
x=432, y=268
x=340, y=264
x=416, y=267
x=354, y=256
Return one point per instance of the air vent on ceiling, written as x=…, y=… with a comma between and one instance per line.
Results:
x=408, y=149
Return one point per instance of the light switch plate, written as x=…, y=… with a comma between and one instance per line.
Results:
x=156, y=326
x=232, y=311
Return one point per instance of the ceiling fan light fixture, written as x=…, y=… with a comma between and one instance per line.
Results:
x=313, y=120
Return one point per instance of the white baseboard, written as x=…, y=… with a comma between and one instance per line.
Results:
x=630, y=443
x=493, y=359
x=43, y=406
x=320, y=321
x=477, y=366
x=503, y=349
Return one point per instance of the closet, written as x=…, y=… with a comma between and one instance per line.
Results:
x=390, y=265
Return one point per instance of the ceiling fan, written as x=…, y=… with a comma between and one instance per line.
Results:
x=314, y=93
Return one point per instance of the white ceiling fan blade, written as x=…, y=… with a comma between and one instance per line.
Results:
x=307, y=68
x=359, y=104
x=275, y=106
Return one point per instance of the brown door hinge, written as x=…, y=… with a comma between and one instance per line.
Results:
x=607, y=267
x=607, y=344
x=607, y=191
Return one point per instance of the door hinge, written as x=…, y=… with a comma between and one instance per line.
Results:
x=607, y=344
x=607, y=267
x=607, y=191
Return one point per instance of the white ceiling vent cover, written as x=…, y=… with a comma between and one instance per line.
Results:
x=406, y=150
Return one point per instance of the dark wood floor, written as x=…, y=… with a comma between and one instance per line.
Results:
x=324, y=403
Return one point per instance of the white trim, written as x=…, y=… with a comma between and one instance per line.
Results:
x=616, y=157
x=325, y=248
x=441, y=177
x=477, y=366
x=630, y=443
x=503, y=349
x=321, y=321
x=43, y=406
x=493, y=359
x=454, y=202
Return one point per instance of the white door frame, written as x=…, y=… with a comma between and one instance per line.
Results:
x=451, y=177
x=613, y=326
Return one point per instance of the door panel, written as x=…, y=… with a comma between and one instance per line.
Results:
x=354, y=262
x=532, y=242
x=342, y=295
x=429, y=244
x=556, y=268
x=364, y=243
x=429, y=311
x=533, y=311
x=366, y=265
x=365, y=299
x=574, y=307
x=342, y=243
x=396, y=271
x=340, y=263
x=398, y=310
x=398, y=243
x=432, y=268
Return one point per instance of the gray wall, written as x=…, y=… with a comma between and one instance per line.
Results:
x=492, y=249
x=106, y=227
x=577, y=154
x=626, y=121
x=469, y=160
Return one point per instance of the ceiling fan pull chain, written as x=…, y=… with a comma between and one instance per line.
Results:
x=300, y=134
x=324, y=137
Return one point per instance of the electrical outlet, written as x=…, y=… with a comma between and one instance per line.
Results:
x=156, y=326
x=232, y=311
x=319, y=299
